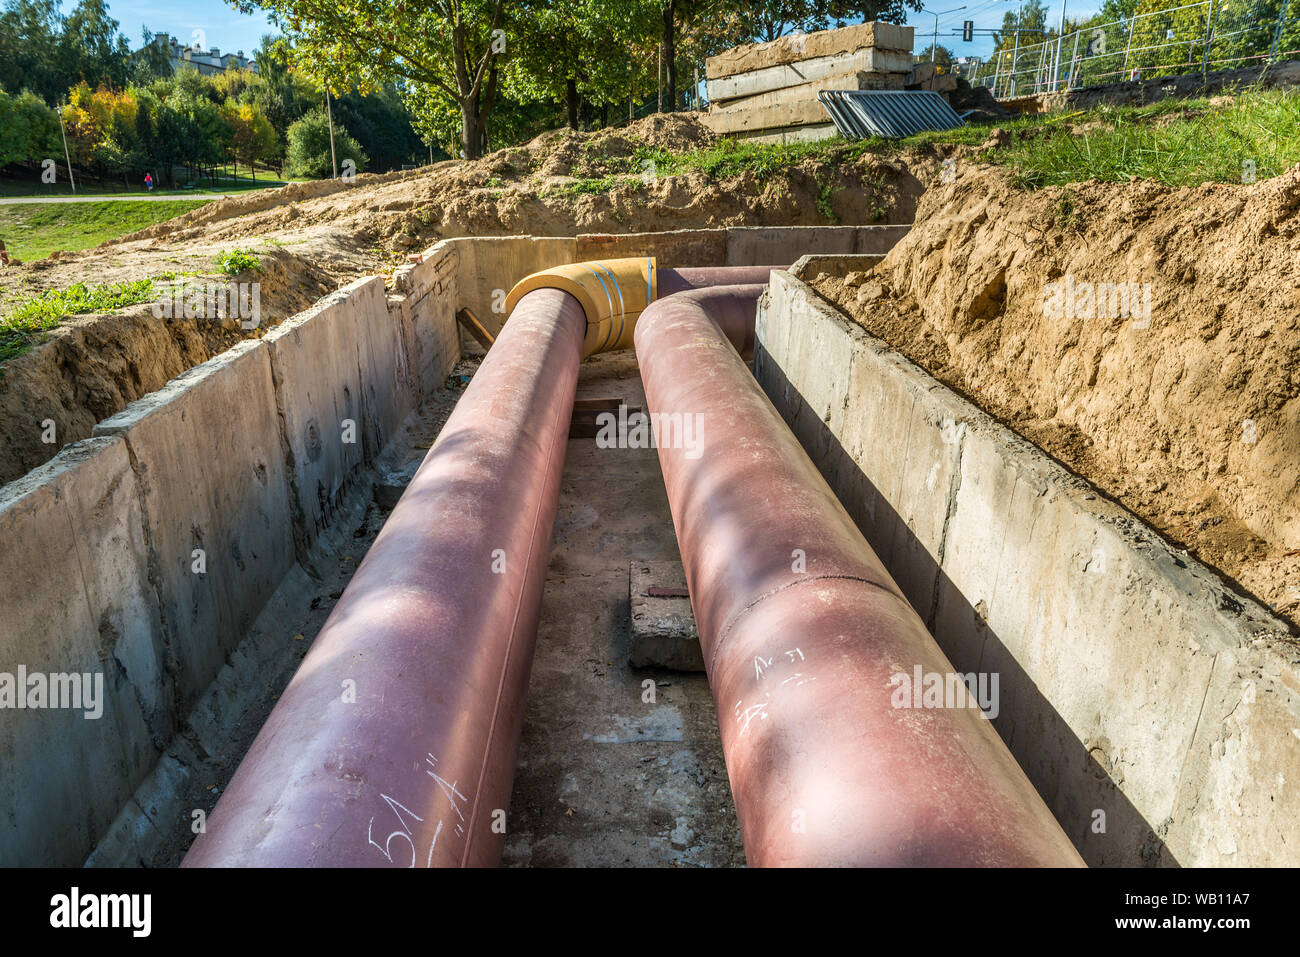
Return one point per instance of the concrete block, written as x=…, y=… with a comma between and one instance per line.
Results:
x=783, y=245
x=671, y=249
x=807, y=92
x=207, y=452
x=491, y=265
x=870, y=60
x=386, y=380
x=75, y=589
x=791, y=134
x=793, y=49
x=728, y=120
x=662, y=629
x=430, y=292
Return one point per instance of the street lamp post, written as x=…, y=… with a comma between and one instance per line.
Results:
x=934, y=44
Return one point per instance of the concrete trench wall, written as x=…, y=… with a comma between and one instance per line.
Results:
x=1156, y=711
x=239, y=463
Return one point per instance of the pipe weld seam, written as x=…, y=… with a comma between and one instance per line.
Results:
x=730, y=626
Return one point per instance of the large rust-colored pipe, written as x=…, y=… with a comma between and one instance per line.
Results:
x=806, y=639
x=395, y=742
x=432, y=639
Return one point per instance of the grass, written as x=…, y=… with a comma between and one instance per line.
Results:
x=34, y=230
x=27, y=324
x=1178, y=143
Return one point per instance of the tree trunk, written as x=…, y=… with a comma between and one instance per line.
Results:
x=471, y=130
x=670, y=56
x=571, y=101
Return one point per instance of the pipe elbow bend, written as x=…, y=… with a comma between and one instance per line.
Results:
x=612, y=292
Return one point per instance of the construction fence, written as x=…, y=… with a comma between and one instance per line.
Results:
x=1191, y=38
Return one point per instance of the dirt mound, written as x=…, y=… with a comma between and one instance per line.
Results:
x=92, y=366
x=1036, y=306
x=559, y=183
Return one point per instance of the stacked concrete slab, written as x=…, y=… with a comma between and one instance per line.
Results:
x=768, y=91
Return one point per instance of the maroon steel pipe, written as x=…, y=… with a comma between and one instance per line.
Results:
x=806, y=637
x=433, y=639
x=395, y=741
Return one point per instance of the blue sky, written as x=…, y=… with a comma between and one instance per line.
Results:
x=987, y=15
x=222, y=25
x=229, y=30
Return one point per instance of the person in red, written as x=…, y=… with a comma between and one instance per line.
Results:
x=148, y=181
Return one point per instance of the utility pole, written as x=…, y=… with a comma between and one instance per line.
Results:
x=66, y=155
x=329, y=112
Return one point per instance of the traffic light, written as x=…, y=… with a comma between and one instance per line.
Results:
x=967, y=30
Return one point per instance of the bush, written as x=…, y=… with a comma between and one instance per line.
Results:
x=308, y=154
x=236, y=261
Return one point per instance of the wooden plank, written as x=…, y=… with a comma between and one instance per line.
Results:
x=475, y=328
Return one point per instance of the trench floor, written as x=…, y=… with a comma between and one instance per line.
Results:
x=611, y=774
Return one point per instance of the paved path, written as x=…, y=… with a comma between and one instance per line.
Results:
x=130, y=197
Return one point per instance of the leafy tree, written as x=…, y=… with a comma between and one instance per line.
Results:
x=567, y=50
x=308, y=154
x=251, y=135
x=447, y=51
x=940, y=56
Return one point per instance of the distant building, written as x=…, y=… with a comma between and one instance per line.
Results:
x=207, y=62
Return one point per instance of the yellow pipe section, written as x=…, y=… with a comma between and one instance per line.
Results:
x=613, y=293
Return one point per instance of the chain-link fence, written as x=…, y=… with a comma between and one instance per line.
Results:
x=1192, y=38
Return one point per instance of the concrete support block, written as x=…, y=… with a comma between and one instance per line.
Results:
x=77, y=598
x=491, y=265
x=206, y=450
x=730, y=120
x=870, y=60
x=662, y=625
x=793, y=49
x=672, y=249
x=807, y=92
x=431, y=291
x=386, y=380
x=783, y=246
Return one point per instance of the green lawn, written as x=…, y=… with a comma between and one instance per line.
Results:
x=34, y=230
x=1175, y=142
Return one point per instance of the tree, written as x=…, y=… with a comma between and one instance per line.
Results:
x=940, y=56
x=308, y=153
x=568, y=50
x=439, y=50
x=251, y=135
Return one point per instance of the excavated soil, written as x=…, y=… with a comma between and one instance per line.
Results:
x=1190, y=417
x=313, y=237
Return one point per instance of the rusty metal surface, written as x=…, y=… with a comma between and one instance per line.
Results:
x=804, y=632
x=435, y=633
